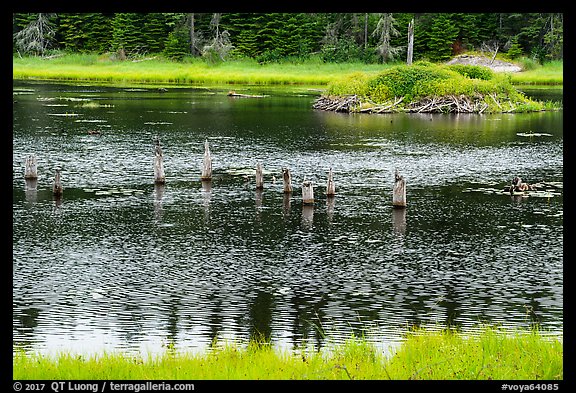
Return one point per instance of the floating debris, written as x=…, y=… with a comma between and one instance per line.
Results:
x=533, y=134
x=74, y=99
x=114, y=191
x=64, y=114
x=539, y=190
x=92, y=104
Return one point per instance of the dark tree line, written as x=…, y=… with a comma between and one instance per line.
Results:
x=266, y=37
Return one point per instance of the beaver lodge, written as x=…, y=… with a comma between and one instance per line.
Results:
x=429, y=88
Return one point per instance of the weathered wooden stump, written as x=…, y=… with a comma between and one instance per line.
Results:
x=399, y=191
x=287, y=179
x=307, y=192
x=259, y=177
x=330, y=186
x=159, y=175
x=30, y=168
x=207, y=164
x=57, y=188
x=157, y=147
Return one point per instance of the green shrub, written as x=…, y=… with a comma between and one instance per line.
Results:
x=406, y=81
x=472, y=71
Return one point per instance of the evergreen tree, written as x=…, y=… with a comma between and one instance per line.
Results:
x=86, y=32
x=275, y=36
x=441, y=37
x=177, y=45
x=244, y=29
x=154, y=32
x=126, y=34
x=384, y=30
x=71, y=32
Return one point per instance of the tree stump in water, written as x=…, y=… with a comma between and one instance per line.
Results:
x=330, y=186
x=287, y=179
x=57, y=188
x=259, y=177
x=399, y=191
x=207, y=164
x=30, y=169
x=159, y=176
x=307, y=192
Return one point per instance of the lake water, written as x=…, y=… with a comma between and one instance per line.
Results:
x=121, y=264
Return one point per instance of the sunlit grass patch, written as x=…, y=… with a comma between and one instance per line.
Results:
x=425, y=354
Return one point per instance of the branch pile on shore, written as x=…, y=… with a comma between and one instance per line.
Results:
x=337, y=104
x=445, y=104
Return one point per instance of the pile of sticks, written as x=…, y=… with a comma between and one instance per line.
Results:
x=337, y=104
x=448, y=104
x=444, y=104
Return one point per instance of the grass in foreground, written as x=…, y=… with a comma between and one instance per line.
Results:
x=442, y=355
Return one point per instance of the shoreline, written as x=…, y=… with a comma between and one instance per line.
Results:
x=91, y=68
x=493, y=353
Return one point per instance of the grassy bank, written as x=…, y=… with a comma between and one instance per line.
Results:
x=443, y=355
x=197, y=71
x=101, y=68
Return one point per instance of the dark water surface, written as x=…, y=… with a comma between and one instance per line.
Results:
x=122, y=264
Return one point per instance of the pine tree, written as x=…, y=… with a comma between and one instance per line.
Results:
x=126, y=33
x=384, y=30
x=154, y=32
x=442, y=35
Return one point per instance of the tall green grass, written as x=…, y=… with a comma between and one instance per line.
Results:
x=102, y=68
x=194, y=71
x=551, y=73
x=425, y=354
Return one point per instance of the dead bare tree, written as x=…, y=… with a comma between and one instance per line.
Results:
x=220, y=45
x=410, y=53
x=37, y=37
x=491, y=47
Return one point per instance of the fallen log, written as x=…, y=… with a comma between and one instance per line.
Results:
x=232, y=93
